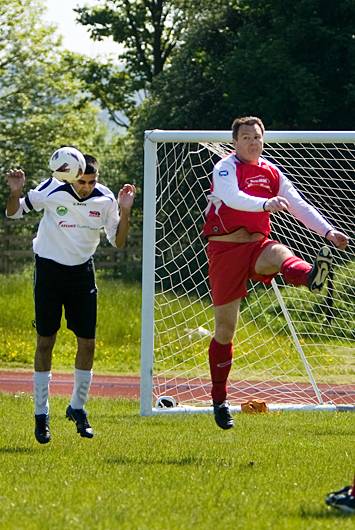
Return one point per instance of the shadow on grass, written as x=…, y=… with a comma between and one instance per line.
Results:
x=113, y=417
x=184, y=461
x=325, y=513
x=188, y=460
x=17, y=450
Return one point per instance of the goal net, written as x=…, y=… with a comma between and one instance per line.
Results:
x=292, y=349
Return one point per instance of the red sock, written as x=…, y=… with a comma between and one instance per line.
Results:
x=295, y=271
x=220, y=357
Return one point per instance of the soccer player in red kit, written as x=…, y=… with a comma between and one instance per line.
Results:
x=245, y=190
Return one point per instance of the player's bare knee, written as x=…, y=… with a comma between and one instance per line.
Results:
x=271, y=259
x=84, y=362
x=45, y=345
x=224, y=333
x=85, y=354
x=43, y=360
x=43, y=354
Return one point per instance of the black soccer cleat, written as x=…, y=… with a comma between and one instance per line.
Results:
x=79, y=417
x=42, y=432
x=341, y=500
x=222, y=415
x=320, y=270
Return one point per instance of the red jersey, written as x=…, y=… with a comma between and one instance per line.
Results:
x=242, y=180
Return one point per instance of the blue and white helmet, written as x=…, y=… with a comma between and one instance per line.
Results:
x=67, y=164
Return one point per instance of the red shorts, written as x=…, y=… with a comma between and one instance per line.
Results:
x=231, y=265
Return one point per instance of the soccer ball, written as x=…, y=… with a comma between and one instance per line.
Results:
x=67, y=164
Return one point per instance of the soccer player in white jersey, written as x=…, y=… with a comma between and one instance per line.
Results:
x=67, y=237
x=245, y=190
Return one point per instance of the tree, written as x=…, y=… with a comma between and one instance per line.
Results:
x=40, y=98
x=289, y=62
x=293, y=63
x=150, y=32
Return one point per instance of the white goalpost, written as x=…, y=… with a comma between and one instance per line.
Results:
x=293, y=349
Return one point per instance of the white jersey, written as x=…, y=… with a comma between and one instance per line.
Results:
x=69, y=231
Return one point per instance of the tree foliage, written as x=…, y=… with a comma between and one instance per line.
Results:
x=107, y=84
x=289, y=62
x=40, y=105
x=203, y=62
x=150, y=32
x=293, y=63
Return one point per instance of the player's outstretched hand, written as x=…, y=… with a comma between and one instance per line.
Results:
x=339, y=239
x=276, y=204
x=15, y=179
x=126, y=196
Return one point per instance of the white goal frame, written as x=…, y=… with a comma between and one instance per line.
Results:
x=152, y=139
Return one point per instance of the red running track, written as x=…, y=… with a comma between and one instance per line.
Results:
x=62, y=384
x=114, y=386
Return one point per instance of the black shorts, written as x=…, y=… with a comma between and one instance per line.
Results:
x=72, y=287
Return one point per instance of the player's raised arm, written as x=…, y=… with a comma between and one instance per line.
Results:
x=15, y=179
x=125, y=200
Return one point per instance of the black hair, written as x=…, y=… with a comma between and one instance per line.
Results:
x=91, y=164
x=74, y=146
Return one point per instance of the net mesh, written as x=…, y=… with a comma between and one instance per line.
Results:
x=267, y=364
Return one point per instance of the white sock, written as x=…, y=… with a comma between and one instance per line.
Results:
x=82, y=382
x=41, y=382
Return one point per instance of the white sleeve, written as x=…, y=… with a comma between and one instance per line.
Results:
x=226, y=189
x=35, y=199
x=302, y=210
x=111, y=222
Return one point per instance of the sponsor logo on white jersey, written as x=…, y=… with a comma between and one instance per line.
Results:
x=260, y=181
x=61, y=210
x=65, y=224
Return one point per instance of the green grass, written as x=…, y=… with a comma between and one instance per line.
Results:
x=119, y=325
x=118, y=330
x=172, y=473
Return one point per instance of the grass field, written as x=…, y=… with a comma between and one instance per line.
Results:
x=118, y=331
x=160, y=473
x=172, y=473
